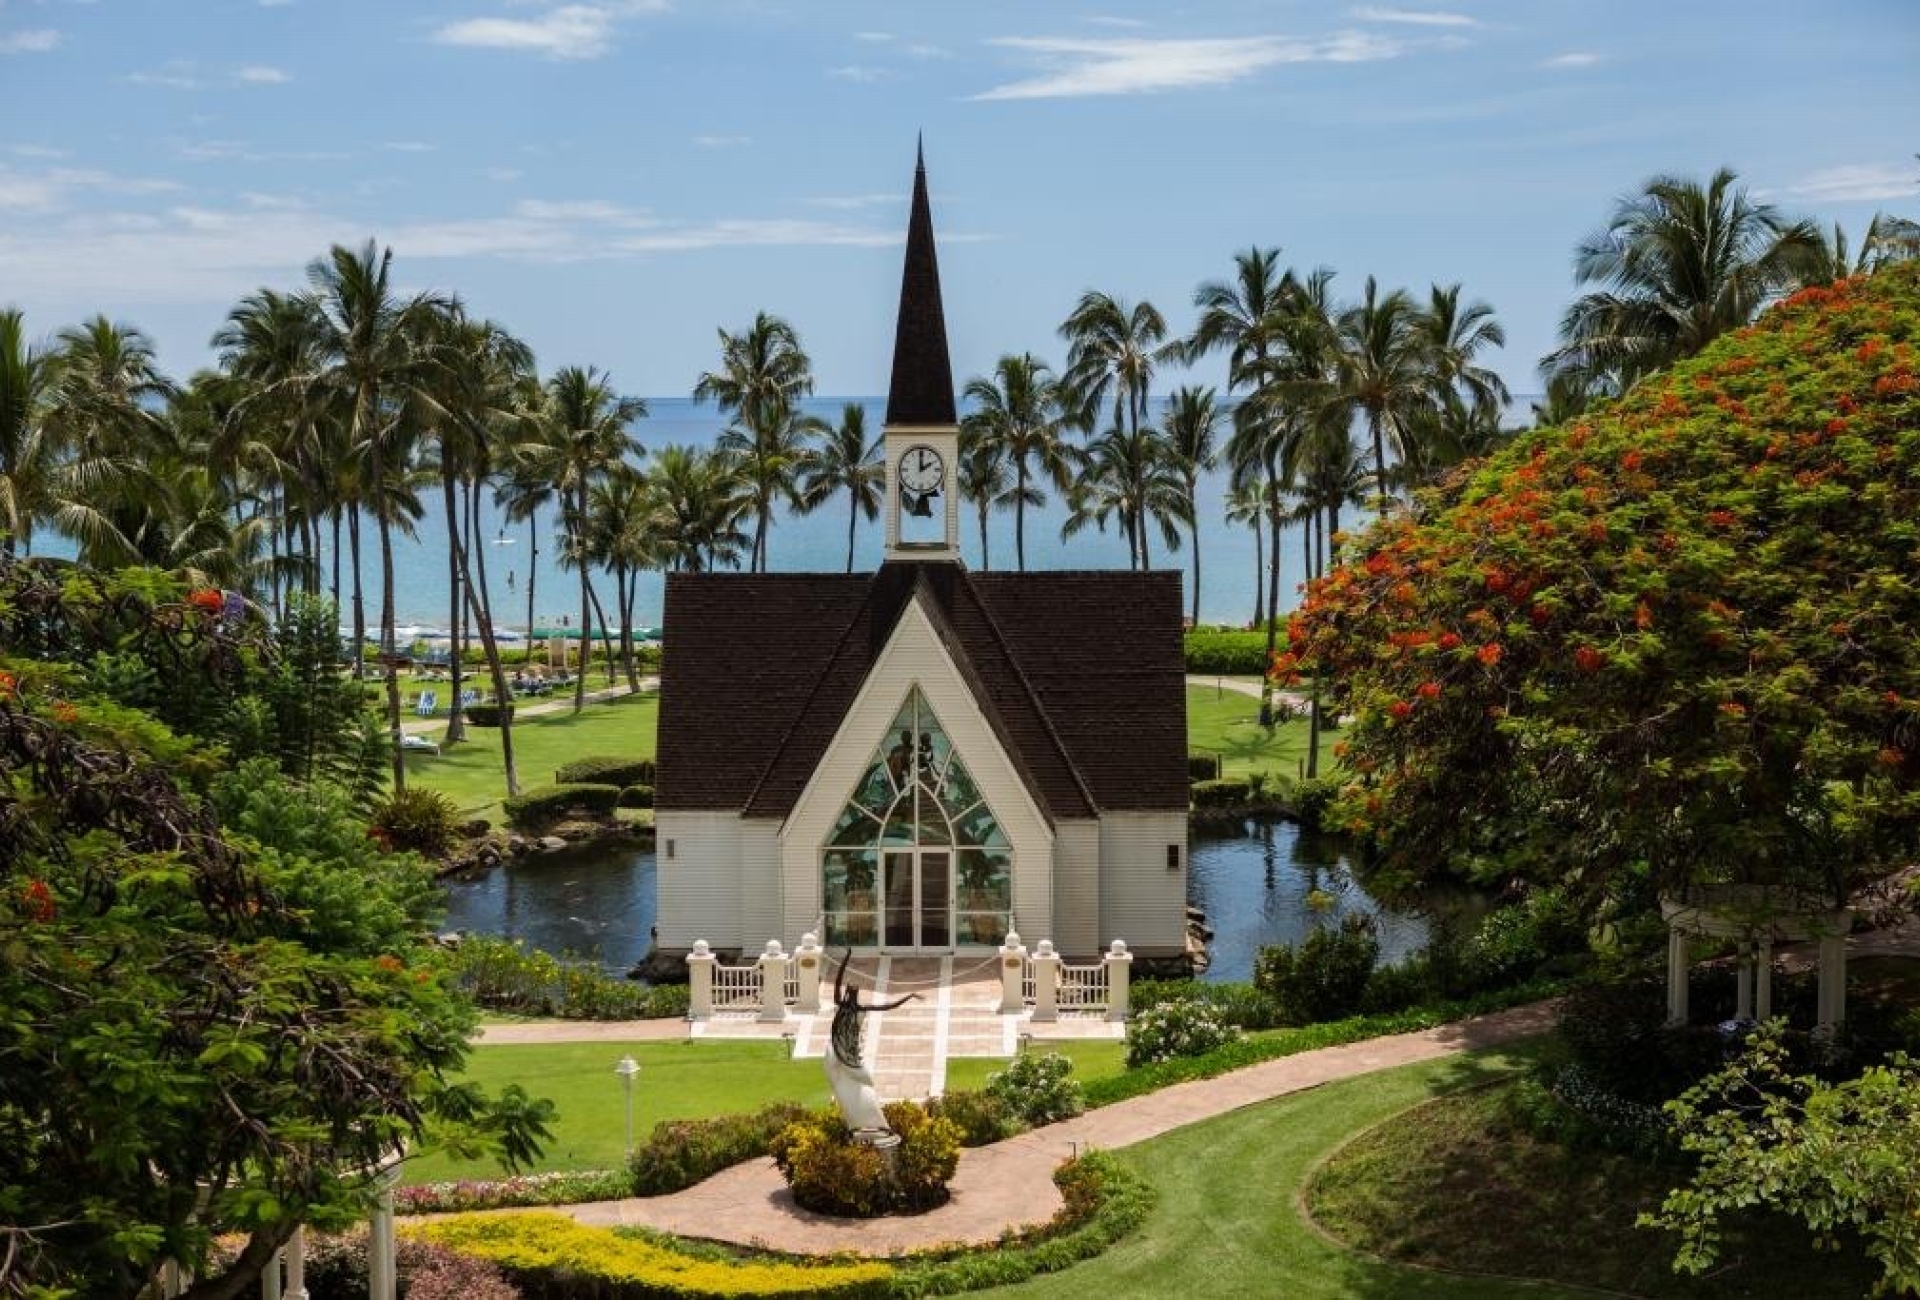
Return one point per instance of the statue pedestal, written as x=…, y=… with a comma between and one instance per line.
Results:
x=880, y=1139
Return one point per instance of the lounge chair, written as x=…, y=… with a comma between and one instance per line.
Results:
x=429, y=703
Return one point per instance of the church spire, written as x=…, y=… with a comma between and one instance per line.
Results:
x=922, y=389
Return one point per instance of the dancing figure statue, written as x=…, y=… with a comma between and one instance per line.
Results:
x=850, y=1079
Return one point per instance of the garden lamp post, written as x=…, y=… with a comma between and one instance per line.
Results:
x=627, y=1069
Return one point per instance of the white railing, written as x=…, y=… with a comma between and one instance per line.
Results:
x=736, y=988
x=1083, y=988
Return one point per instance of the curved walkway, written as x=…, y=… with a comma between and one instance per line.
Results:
x=1010, y=1184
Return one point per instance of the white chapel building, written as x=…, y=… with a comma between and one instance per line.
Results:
x=919, y=759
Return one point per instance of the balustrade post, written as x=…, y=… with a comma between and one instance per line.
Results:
x=773, y=983
x=1013, y=970
x=383, y=1280
x=270, y=1279
x=1833, y=983
x=1119, y=969
x=1763, y=981
x=1046, y=982
x=296, y=1253
x=808, y=956
x=700, y=964
x=1679, y=970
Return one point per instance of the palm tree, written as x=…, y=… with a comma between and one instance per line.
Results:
x=623, y=537
x=1112, y=349
x=701, y=501
x=106, y=404
x=1018, y=410
x=1384, y=369
x=847, y=461
x=377, y=347
x=586, y=439
x=1189, y=424
x=1246, y=504
x=29, y=453
x=1129, y=475
x=763, y=374
x=1888, y=240
x=1680, y=264
x=985, y=481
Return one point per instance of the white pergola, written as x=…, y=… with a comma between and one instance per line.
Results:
x=1754, y=918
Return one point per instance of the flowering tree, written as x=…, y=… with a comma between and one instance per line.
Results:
x=1670, y=643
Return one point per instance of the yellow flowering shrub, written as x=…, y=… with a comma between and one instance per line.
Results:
x=552, y=1254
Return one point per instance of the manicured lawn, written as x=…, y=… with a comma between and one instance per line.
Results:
x=1456, y=1184
x=1092, y=1058
x=1228, y=1221
x=1227, y=723
x=470, y=772
x=678, y=1080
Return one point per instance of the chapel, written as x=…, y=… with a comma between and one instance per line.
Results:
x=920, y=759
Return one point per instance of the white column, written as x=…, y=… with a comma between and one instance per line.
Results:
x=700, y=964
x=1119, y=968
x=1678, y=971
x=808, y=954
x=1763, y=981
x=1833, y=983
x=382, y=1277
x=773, y=983
x=1743, y=980
x=296, y=1252
x=1013, y=971
x=270, y=1279
x=1046, y=982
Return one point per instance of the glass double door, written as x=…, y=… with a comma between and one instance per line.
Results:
x=919, y=900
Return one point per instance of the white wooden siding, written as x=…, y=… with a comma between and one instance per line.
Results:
x=1076, y=891
x=1142, y=901
x=760, y=913
x=699, y=886
x=913, y=657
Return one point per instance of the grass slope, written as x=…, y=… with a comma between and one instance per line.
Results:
x=1228, y=1221
x=624, y=727
x=1227, y=723
x=1093, y=1058
x=1455, y=1184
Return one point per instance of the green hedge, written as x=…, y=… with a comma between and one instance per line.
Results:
x=682, y=1152
x=601, y=769
x=1221, y=651
x=487, y=715
x=1203, y=767
x=637, y=796
x=1223, y=793
x=548, y=804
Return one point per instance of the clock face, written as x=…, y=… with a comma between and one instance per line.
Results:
x=922, y=470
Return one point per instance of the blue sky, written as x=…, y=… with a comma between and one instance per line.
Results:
x=613, y=179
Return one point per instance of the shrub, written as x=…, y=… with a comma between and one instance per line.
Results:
x=551, y=1255
x=1039, y=1089
x=417, y=821
x=1175, y=1029
x=832, y=1173
x=1617, y=1034
x=337, y=1270
x=605, y=770
x=1323, y=978
x=637, y=796
x=1226, y=792
x=1309, y=797
x=1221, y=651
x=487, y=715
x=561, y=1187
x=981, y=1117
x=547, y=804
x=507, y=975
x=1203, y=767
x=680, y=1153
x=1239, y=1004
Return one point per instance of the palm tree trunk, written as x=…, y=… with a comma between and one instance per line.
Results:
x=456, y=567
x=1019, y=516
x=388, y=652
x=1272, y=505
x=986, y=559
x=274, y=522
x=1315, y=541
x=1259, y=569
x=853, y=521
x=578, y=542
x=359, y=598
x=762, y=522
x=533, y=567
x=626, y=626
x=1379, y=460
x=606, y=637
x=335, y=558
x=1193, y=531
x=480, y=603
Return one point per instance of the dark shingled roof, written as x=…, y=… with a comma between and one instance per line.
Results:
x=922, y=388
x=1081, y=675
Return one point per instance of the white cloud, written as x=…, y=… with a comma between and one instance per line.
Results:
x=569, y=31
x=36, y=151
x=54, y=189
x=1859, y=182
x=1412, y=17
x=409, y=146
x=1115, y=20
x=1572, y=59
x=241, y=151
x=878, y=38
x=503, y=175
x=261, y=74
x=722, y=141
x=275, y=4
x=175, y=74
x=37, y=40
x=1135, y=65
x=865, y=73
x=853, y=202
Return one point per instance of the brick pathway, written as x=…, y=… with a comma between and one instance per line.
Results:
x=1010, y=1184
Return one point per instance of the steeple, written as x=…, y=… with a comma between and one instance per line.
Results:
x=922, y=389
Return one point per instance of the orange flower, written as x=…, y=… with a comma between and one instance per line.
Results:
x=1733, y=709
x=1891, y=697
x=1489, y=654
x=1643, y=616
x=206, y=598
x=65, y=713
x=1428, y=690
x=38, y=900
x=1630, y=462
x=9, y=686
x=389, y=963
x=1588, y=659
x=1449, y=641
x=1400, y=709
x=1836, y=426
x=1540, y=615
x=1722, y=518
x=1892, y=757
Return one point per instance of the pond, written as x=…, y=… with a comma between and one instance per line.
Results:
x=1267, y=884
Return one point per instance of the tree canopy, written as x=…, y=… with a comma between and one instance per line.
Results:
x=1668, y=643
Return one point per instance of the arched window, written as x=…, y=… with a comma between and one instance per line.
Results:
x=917, y=856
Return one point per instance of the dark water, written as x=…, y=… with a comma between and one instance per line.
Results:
x=599, y=902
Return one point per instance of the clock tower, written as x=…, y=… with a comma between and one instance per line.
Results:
x=922, y=431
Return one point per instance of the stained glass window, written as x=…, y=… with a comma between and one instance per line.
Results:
x=916, y=793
